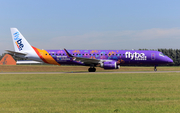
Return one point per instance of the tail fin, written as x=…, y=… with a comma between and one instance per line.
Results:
x=20, y=43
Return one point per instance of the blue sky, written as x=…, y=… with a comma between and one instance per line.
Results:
x=92, y=24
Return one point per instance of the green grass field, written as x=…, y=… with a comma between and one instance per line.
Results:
x=90, y=93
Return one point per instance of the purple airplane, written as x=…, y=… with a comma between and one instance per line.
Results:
x=107, y=59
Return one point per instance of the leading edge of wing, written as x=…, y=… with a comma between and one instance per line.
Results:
x=81, y=59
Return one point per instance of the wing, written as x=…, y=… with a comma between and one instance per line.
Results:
x=84, y=60
x=87, y=60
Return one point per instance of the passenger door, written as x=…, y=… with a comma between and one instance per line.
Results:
x=153, y=56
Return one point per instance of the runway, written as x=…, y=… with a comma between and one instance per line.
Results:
x=89, y=72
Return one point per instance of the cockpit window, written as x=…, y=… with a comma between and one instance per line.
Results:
x=161, y=54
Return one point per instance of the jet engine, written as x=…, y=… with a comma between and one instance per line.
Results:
x=110, y=65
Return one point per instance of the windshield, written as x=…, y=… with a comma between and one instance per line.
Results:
x=161, y=54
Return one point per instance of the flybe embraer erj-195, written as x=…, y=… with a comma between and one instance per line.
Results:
x=107, y=59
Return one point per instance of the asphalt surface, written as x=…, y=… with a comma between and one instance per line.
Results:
x=87, y=72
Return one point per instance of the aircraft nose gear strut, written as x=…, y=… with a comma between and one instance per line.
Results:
x=155, y=69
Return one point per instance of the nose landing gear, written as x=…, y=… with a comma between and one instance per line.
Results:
x=155, y=69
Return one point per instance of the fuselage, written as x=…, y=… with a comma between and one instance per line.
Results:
x=141, y=57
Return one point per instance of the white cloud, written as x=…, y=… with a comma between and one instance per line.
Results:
x=112, y=39
x=123, y=35
x=157, y=33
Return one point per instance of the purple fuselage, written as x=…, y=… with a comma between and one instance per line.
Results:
x=139, y=57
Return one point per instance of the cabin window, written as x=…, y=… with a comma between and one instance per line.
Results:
x=123, y=54
x=112, y=54
x=76, y=54
x=49, y=54
x=86, y=54
x=116, y=54
x=93, y=54
x=89, y=54
x=82, y=54
x=101, y=54
x=79, y=54
x=109, y=54
x=59, y=54
x=97, y=54
x=56, y=54
x=105, y=54
x=52, y=54
x=73, y=54
x=63, y=54
x=46, y=54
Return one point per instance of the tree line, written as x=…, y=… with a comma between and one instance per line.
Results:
x=174, y=54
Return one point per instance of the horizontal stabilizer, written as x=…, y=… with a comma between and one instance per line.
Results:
x=16, y=53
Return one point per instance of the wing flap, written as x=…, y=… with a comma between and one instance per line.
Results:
x=87, y=60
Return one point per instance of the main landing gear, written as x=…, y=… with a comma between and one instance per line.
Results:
x=155, y=68
x=92, y=69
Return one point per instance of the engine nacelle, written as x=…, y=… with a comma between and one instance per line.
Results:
x=110, y=65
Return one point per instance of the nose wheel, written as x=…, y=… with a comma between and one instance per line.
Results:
x=155, y=69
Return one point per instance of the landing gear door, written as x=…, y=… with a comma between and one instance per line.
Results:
x=153, y=56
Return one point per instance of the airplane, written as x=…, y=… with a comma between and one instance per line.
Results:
x=107, y=59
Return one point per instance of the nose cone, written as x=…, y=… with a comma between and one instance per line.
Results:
x=163, y=59
x=169, y=60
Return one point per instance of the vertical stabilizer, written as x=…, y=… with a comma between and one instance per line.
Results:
x=19, y=42
x=22, y=48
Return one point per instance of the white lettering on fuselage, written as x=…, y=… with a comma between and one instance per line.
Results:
x=135, y=56
x=62, y=58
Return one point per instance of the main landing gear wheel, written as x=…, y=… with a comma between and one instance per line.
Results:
x=155, y=69
x=92, y=69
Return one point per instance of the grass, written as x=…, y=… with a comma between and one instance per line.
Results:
x=54, y=68
x=90, y=93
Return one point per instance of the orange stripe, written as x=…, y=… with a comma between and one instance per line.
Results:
x=17, y=44
x=44, y=55
x=40, y=56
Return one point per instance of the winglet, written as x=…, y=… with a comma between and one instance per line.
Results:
x=68, y=54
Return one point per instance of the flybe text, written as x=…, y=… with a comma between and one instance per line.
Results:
x=16, y=36
x=18, y=41
x=136, y=56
